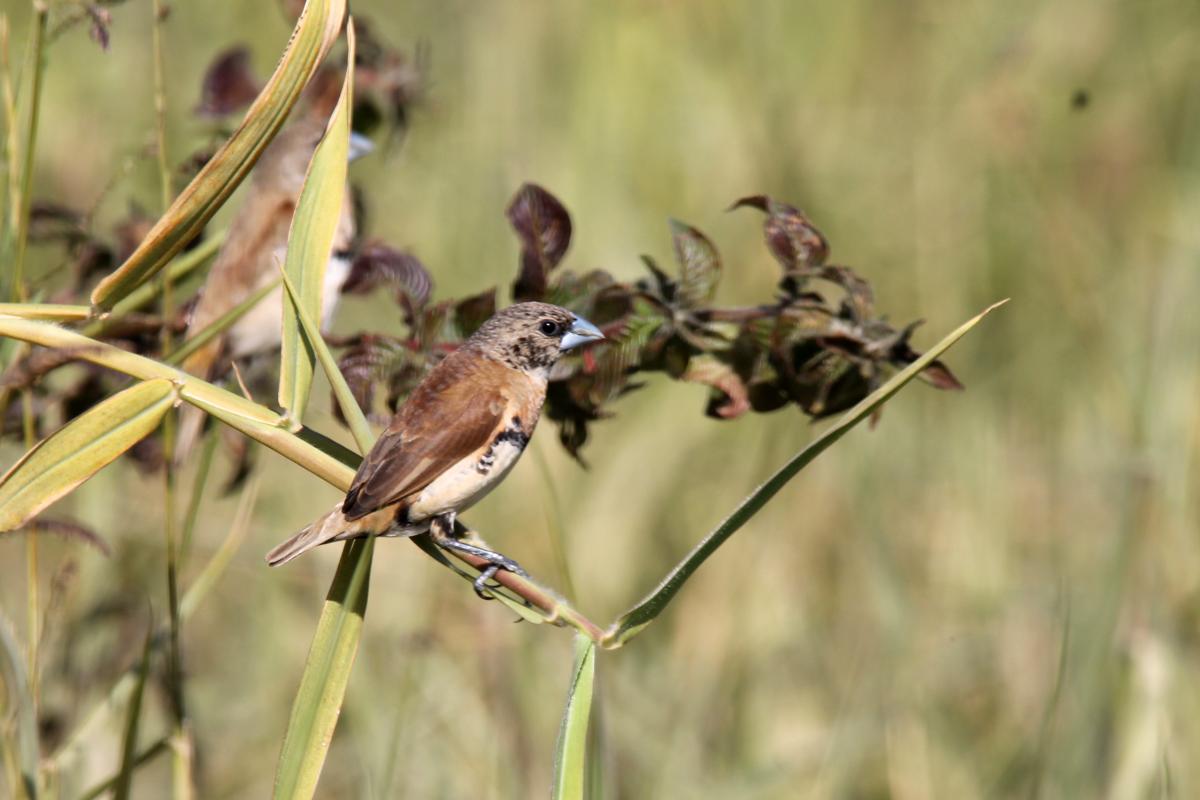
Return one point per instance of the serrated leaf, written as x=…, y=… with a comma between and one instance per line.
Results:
x=380, y=368
x=790, y=235
x=315, y=33
x=310, y=242
x=376, y=264
x=77, y=451
x=620, y=354
x=699, y=265
x=544, y=228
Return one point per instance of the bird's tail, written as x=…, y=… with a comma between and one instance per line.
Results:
x=334, y=527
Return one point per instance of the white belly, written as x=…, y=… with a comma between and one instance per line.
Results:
x=466, y=483
x=261, y=329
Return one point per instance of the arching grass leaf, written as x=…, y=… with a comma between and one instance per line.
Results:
x=310, y=241
x=76, y=452
x=326, y=673
x=570, y=753
x=641, y=615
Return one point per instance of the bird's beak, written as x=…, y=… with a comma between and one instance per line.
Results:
x=581, y=332
x=359, y=146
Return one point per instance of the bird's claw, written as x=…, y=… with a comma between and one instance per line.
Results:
x=482, y=590
x=499, y=563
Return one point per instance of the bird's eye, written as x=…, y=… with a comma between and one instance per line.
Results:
x=549, y=327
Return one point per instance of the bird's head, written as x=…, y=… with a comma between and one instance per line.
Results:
x=531, y=336
x=284, y=164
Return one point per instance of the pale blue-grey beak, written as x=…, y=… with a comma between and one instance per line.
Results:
x=580, y=332
x=359, y=146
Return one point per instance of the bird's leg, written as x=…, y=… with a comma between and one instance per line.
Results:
x=441, y=529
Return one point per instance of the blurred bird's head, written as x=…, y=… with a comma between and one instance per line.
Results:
x=531, y=336
x=284, y=163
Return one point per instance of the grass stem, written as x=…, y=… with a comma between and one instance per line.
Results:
x=24, y=201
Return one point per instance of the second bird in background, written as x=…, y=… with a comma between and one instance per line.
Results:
x=251, y=255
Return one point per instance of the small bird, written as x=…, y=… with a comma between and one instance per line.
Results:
x=457, y=436
x=250, y=258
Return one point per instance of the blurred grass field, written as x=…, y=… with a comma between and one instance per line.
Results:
x=993, y=594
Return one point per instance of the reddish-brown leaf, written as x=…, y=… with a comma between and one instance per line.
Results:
x=379, y=265
x=229, y=84
x=699, y=264
x=473, y=311
x=729, y=397
x=790, y=235
x=544, y=227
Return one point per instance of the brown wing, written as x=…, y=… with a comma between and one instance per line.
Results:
x=456, y=411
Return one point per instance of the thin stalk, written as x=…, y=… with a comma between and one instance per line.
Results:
x=160, y=107
x=201, y=480
x=554, y=524
x=7, y=224
x=133, y=718
x=208, y=578
x=181, y=749
x=33, y=603
x=36, y=47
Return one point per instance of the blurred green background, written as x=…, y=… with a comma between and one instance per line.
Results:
x=993, y=594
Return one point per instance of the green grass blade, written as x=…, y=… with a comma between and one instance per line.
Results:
x=219, y=325
x=133, y=717
x=124, y=782
x=315, y=32
x=258, y=422
x=46, y=311
x=310, y=242
x=350, y=410
x=641, y=615
x=15, y=680
x=78, y=450
x=570, y=753
x=181, y=266
x=326, y=673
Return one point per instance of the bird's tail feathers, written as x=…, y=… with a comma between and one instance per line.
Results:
x=333, y=527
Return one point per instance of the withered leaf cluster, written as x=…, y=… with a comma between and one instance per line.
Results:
x=818, y=344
